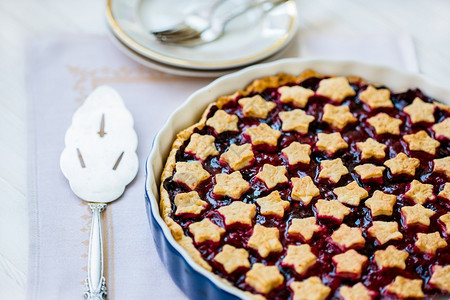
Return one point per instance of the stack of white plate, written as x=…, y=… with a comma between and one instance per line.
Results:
x=252, y=37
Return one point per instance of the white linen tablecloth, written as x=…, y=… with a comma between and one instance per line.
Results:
x=62, y=71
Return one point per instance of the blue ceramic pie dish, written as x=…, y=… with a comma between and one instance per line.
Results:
x=195, y=281
x=194, y=284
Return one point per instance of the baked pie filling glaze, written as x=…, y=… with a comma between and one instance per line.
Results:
x=316, y=187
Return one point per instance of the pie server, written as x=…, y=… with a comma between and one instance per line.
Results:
x=99, y=160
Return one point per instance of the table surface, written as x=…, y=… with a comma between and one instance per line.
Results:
x=21, y=20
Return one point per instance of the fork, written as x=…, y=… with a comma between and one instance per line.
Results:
x=188, y=28
x=208, y=30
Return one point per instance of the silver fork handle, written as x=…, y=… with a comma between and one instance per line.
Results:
x=243, y=9
x=95, y=283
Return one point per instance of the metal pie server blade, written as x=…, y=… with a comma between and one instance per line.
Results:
x=99, y=160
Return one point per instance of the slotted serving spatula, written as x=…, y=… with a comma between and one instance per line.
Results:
x=99, y=160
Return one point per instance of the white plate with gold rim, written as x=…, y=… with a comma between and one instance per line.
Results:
x=147, y=62
x=249, y=38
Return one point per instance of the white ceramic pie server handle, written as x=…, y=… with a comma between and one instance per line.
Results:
x=95, y=284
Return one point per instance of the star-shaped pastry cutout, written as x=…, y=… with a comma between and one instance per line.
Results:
x=332, y=170
x=371, y=148
x=300, y=258
x=238, y=157
x=256, y=107
x=421, y=141
x=305, y=228
x=351, y=194
x=417, y=215
x=381, y=204
x=273, y=205
x=369, y=172
x=310, y=289
x=445, y=193
x=201, y=146
x=265, y=240
x=383, y=123
x=304, y=189
x=356, y=292
x=442, y=165
x=190, y=174
x=391, y=258
x=336, y=88
x=232, y=258
x=189, y=204
x=349, y=264
x=263, y=278
x=402, y=164
x=385, y=231
x=331, y=142
x=223, y=122
x=376, y=98
x=263, y=134
x=420, y=192
x=231, y=185
x=445, y=220
x=205, y=230
x=337, y=116
x=332, y=209
x=238, y=212
x=442, y=129
x=348, y=237
x=430, y=243
x=272, y=176
x=296, y=95
x=295, y=120
x=406, y=288
x=441, y=277
x=420, y=111
x=297, y=153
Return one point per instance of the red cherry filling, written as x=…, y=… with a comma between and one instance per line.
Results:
x=418, y=265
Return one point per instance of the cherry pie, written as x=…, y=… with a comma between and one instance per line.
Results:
x=316, y=187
